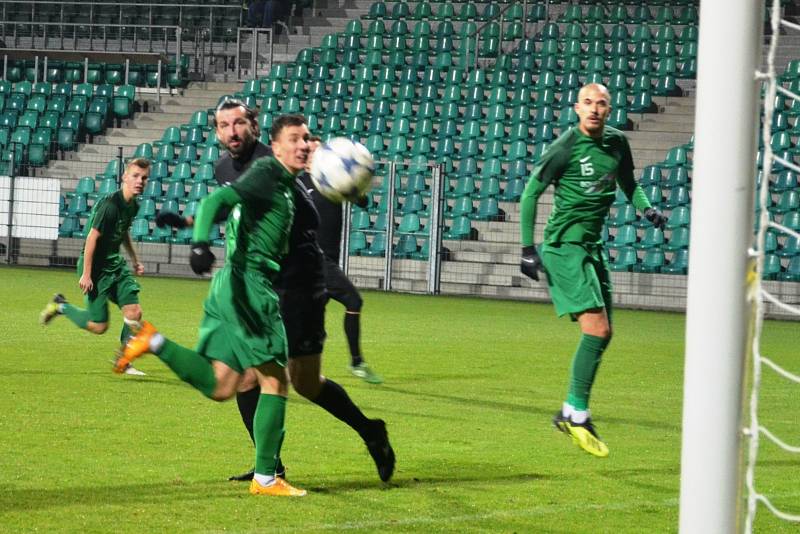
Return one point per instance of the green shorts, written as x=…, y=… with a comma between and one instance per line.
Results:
x=120, y=287
x=577, y=275
x=242, y=325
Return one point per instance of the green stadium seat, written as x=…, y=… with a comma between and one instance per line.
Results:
x=678, y=239
x=70, y=225
x=678, y=264
x=624, y=260
x=788, y=201
x=460, y=229
x=653, y=238
x=377, y=247
x=488, y=210
x=625, y=236
x=78, y=205
x=357, y=243
x=625, y=214
x=680, y=216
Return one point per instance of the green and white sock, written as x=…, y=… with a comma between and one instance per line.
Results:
x=191, y=367
x=584, y=369
x=268, y=431
x=77, y=315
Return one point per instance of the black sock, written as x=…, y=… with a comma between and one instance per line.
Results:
x=333, y=398
x=352, y=329
x=247, y=402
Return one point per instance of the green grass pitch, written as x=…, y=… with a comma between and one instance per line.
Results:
x=470, y=387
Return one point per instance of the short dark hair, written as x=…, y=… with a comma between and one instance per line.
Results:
x=230, y=103
x=142, y=163
x=283, y=121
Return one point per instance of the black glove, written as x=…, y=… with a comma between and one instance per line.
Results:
x=167, y=218
x=658, y=219
x=530, y=263
x=201, y=258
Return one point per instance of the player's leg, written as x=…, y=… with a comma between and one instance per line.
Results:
x=576, y=290
x=268, y=431
x=330, y=396
x=247, y=395
x=342, y=290
x=94, y=318
x=304, y=318
x=215, y=379
x=131, y=322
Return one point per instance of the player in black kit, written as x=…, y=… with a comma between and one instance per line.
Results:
x=340, y=288
x=301, y=287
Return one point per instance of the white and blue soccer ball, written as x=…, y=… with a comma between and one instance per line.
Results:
x=342, y=170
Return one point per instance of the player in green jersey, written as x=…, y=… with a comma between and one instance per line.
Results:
x=242, y=327
x=103, y=273
x=585, y=165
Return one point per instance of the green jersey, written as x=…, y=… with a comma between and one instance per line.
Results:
x=112, y=217
x=585, y=173
x=257, y=231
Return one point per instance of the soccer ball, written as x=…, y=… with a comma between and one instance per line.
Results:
x=342, y=170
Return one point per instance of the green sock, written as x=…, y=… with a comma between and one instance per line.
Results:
x=77, y=315
x=584, y=369
x=125, y=334
x=268, y=432
x=191, y=367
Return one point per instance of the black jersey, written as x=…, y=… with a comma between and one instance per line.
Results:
x=227, y=170
x=330, y=213
x=303, y=267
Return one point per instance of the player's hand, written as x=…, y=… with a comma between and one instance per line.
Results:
x=658, y=219
x=530, y=263
x=85, y=283
x=168, y=218
x=201, y=258
x=138, y=268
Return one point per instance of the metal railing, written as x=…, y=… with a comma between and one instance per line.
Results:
x=84, y=36
x=90, y=10
x=501, y=15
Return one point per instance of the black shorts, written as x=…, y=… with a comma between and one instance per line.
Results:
x=304, y=319
x=340, y=288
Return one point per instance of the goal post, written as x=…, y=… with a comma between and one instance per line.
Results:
x=717, y=317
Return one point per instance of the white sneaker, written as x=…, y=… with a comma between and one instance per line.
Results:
x=131, y=370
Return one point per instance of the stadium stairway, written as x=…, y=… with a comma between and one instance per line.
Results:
x=174, y=110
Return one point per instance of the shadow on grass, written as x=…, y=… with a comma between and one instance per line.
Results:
x=422, y=482
x=115, y=495
x=29, y=499
x=485, y=403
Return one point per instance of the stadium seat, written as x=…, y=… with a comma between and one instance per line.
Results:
x=461, y=228
x=624, y=260
x=377, y=246
x=625, y=236
x=678, y=263
x=358, y=243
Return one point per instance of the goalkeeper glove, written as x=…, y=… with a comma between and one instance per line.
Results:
x=201, y=258
x=168, y=218
x=530, y=263
x=658, y=219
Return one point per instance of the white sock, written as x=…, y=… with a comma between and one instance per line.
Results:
x=156, y=343
x=264, y=480
x=579, y=416
x=60, y=308
x=566, y=410
x=133, y=324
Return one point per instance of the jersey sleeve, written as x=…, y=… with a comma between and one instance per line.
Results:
x=547, y=171
x=105, y=218
x=626, y=180
x=223, y=198
x=258, y=183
